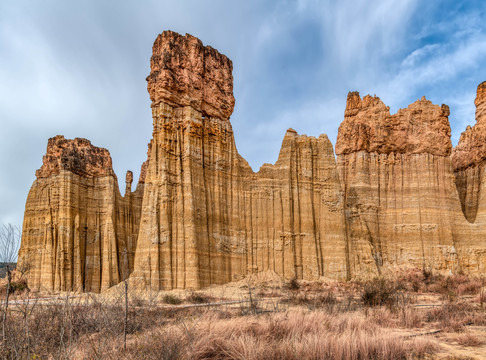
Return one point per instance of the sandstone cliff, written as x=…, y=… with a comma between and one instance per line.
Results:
x=399, y=192
x=468, y=161
x=201, y=216
x=79, y=233
x=207, y=218
x=468, y=158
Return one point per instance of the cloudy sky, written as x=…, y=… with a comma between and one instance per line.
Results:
x=78, y=68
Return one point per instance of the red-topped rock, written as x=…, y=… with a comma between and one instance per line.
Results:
x=422, y=127
x=184, y=72
x=78, y=156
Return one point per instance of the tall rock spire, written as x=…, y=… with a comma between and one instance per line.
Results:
x=207, y=218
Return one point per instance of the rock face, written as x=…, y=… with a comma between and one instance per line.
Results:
x=184, y=72
x=399, y=192
x=201, y=216
x=206, y=217
x=79, y=233
x=468, y=159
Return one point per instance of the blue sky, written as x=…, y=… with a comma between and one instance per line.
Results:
x=79, y=68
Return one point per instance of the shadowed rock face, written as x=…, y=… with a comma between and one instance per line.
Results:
x=468, y=159
x=201, y=216
x=471, y=149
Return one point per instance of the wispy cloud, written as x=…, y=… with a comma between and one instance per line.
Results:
x=79, y=69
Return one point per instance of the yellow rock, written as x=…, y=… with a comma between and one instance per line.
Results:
x=394, y=198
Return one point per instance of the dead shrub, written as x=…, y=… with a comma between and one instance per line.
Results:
x=453, y=317
x=323, y=300
x=449, y=287
x=292, y=284
x=379, y=292
x=198, y=298
x=16, y=287
x=452, y=286
x=172, y=299
x=469, y=340
x=414, y=279
x=410, y=317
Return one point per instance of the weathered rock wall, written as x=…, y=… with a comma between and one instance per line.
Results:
x=79, y=233
x=403, y=190
x=297, y=212
x=400, y=198
x=395, y=197
x=468, y=161
x=207, y=218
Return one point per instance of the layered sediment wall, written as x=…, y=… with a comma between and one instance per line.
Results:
x=78, y=233
x=397, y=194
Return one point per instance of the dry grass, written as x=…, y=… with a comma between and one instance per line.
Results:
x=454, y=317
x=449, y=286
x=377, y=319
x=293, y=335
x=469, y=340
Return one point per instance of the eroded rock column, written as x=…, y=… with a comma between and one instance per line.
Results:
x=79, y=233
x=400, y=198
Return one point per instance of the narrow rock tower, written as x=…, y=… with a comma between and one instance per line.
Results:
x=206, y=217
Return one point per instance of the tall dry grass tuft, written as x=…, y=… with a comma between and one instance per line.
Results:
x=449, y=286
x=453, y=317
x=469, y=340
x=293, y=335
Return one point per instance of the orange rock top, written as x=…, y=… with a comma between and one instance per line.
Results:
x=471, y=149
x=420, y=128
x=184, y=72
x=77, y=156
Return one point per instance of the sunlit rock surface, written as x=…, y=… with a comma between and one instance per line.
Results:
x=396, y=195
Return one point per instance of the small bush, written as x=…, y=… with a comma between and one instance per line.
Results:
x=378, y=292
x=453, y=317
x=322, y=300
x=198, y=298
x=16, y=287
x=293, y=284
x=469, y=340
x=414, y=279
x=172, y=299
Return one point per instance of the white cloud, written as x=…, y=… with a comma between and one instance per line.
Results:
x=79, y=69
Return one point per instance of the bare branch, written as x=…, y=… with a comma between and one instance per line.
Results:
x=9, y=243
